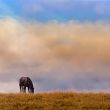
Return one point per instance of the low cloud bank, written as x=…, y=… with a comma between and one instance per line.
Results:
x=57, y=56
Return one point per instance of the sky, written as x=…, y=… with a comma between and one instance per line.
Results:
x=62, y=45
x=60, y=10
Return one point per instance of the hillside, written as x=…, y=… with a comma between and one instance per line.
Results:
x=55, y=101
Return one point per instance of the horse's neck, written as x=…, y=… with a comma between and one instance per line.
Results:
x=31, y=85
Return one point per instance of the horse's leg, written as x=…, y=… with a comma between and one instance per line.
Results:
x=20, y=89
x=28, y=90
x=24, y=89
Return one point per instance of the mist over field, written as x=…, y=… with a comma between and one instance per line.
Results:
x=55, y=55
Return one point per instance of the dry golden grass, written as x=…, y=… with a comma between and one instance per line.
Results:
x=55, y=101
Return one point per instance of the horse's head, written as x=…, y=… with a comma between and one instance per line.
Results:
x=31, y=90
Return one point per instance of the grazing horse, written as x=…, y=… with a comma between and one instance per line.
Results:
x=26, y=82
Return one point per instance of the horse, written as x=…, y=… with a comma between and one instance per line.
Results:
x=26, y=82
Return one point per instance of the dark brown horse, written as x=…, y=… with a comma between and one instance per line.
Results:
x=26, y=82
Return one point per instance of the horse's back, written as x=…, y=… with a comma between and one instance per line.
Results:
x=23, y=80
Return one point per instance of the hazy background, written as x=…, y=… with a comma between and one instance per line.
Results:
x=55, y=55
x=67, y=48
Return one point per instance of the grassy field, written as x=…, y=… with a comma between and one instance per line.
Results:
x=55, y=101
